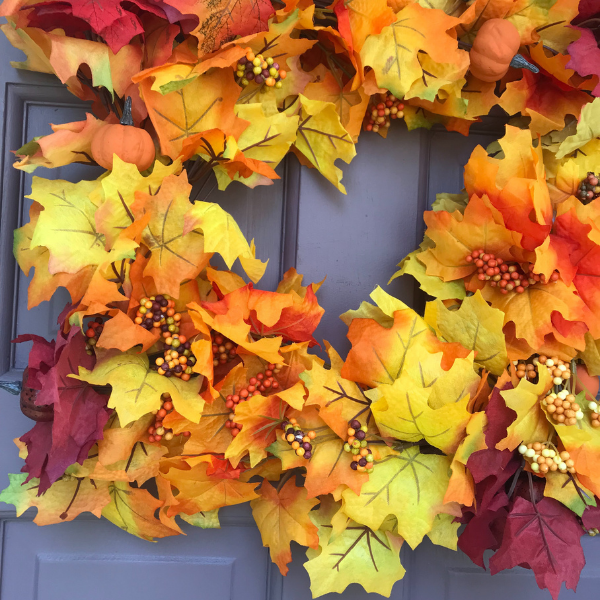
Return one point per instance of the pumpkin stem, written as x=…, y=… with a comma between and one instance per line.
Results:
x=127, y=119
x=520, y=62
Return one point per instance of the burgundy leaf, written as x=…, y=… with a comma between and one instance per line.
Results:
x=591, y=517
x=41, y=358
x=585, y=56
x=545, y=537
x=80, y=414
x=499, y=417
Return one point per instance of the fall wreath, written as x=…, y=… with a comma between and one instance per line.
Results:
x=175, y=388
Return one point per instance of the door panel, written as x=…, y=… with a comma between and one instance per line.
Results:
x=357, y=241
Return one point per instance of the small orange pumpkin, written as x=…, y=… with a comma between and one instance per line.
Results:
x=495, y=45
x=587, y=382
x=131, y=144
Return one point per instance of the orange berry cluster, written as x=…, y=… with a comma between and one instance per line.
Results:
x=544, y=457
x=178, y=359
x=506, y=277
x=356, y=444
x=158, y=312
x=379, y=114
x=593, y=406
x=259, y=69
x=589, y=189
x=262, y=382
x=157, y=432
x=92, y=334
x=563, y=408
x=559, y=369
x=224, y=350
x=525, y=370
x=297, y=439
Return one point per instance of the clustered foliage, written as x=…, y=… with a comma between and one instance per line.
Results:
x=175, y=387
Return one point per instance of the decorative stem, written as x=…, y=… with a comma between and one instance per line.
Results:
x=127, y=118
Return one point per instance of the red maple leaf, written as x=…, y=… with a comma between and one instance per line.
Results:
x=80, y=412
x=544, y=536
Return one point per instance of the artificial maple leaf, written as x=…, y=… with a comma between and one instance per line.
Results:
x=588, y=128
x=585, y=56
x=259, y=417
x=394, y=53
x=532, y=312
x=80, y=413
x=356, y=555
x=223, y=235
x=122, y=333
x=44, y=284
x=282, y=516
x=476, y=326
x=70, y=142
x=541, y=97
x=445, y=531
x=206, y=102
x=382, y=353
x=455, y=235
x=267, y=139
x=568, y=491
x=65, y=500
x=545, y=537
x=199, y=491
x=486, y=519
x=402, y=411
x=116, y=195
x=322, y=140
x=132, y=509
x=531, y=423
x=392, y=488
x=175, y=255
x=66, y=225
x=339, y=399
x=118, y=442
x=359, y=19
x=514, y=185
x=226, y=19
x=136, y=389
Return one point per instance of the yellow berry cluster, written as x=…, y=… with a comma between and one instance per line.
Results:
x=544, y=457
x=362, y=459
x=563, y=408
x=176, y=363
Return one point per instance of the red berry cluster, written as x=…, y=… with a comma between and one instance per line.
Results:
x=379, y=114
x=297, y=439
x=589, y=189
x=93, y=333
x=157, y=432
x=262, y=382
x=224, y=350
x=508, y=277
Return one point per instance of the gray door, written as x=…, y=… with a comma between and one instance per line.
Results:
x=301, y=221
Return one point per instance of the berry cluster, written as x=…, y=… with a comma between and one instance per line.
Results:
x=589, y=189
x=297, y=439
x=262, y=382
x=593, y=406
x=92, y=334
x=260, y=70
x=224, y=350
x=593, y=532
x=158, y=311
x=379, y=114
x=178, y=360
x=563, y=408
x=356, y=443
x=544, y=457
x=526, y=370
x=157, y=432
x=558, y=368
x=506, y=277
